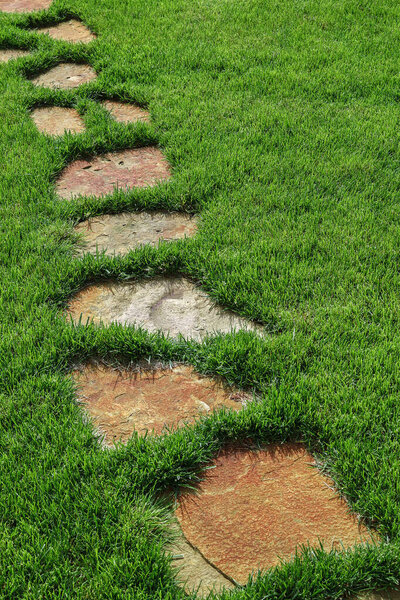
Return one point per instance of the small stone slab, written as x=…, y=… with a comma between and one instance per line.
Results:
x=22, y=6
x=381, y=595
x=65, y=76
x=69, y=31
x=101, y=175
x=123, y=112
x=6, y=55
x=173, y=305
x=154, y=398
x=256, y=507
x=55, y=120
x=117, y=234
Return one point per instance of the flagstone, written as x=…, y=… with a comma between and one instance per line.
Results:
x=6, y=55
x=55, y=120
x=69, y=31
x=22, y=6
x=65, y=76
x=123, y=112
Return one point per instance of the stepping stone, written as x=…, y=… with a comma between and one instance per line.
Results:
x=65, y=76
x=381, y=595
x=173, y=305
x=101, y=175
x=153, y=398
x=117, y=234
x=6, y=55
x=55, y=120
x=126, y=113
x=21, y=6
x=69, y=31
x=256, y=507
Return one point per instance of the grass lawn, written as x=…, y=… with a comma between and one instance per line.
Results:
x=281, y=122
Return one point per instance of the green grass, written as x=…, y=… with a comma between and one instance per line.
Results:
x=281, y=123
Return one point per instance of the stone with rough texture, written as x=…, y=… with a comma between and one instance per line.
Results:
x=123, y=112
x=21, y=6
x=69, y=31
x=380, y=595
x=173, y=305
x=103, y=174
x=256, y=507
x=65, y=76
x=117, y=234
x=6, y=55
x=55, y=120
x=153, y=398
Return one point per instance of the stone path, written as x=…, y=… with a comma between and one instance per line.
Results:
x=22, y=6
x=6, y=55
x=55, y=120
x=123, y=112
x=65, y=76
x=69, y=31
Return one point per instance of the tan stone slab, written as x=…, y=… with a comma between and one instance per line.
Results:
x=21, y=6
x=256, y=507
x=6, y=55
x=380, y=595
x=55, y=120
x=120, y=401
x=65, y=76
x=126, y=113
x=117, y=234
x=101, y=175
x=173, y=305
x=69, y=31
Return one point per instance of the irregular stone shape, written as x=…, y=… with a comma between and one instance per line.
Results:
x=256, y=507
x=172, y=305
x=65, y=76
x=381, y=595
x=6, y=55
x=21, y=6
x=69, y=31
x=117, y=234
x=55, y=120
x=103, y=174
x=151, y=399
x=126, y=113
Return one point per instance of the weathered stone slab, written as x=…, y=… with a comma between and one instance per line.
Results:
x=69, y=31
x=21, y=6
x=380, y=595
x=117, y=234
x=152, y=398
x=173, y=305
x=6, y=55
x=126, y=113
x=55, y=120
x=65, y=76
x=101, y=175
x=256, y=507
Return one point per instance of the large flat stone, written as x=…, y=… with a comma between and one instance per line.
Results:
x=21, y=6
x=256, y=507
x=6, y=55
x=150, y=399
x=55, y=120
x=69, y=31
x=65, y=76
x=101, y=175
x=173, y=305
x=117, y=234
x=123, y=112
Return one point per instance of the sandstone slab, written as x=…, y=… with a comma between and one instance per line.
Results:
x=22, y=6
x=6, y=55
x=117, y=234
x=123, y=112
x=173, y=305
x=55, y=120
x=101, y=175
x=65, y=76
x=256, y=507
x=69, y=31
x=153, y=398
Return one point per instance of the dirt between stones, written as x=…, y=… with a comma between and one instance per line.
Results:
x=258, y=506
x=173, y=305
x=69, y=31
x=154, y=398
x=123, y=112
x=55, y=120
x=117, y=234
x=65, y=76
x=103, y=174
x=20, y=6
x=6, y=55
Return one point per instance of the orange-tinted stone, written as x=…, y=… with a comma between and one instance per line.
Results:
x=55, y=120
x=6, y=55
x=65, y=76
x=103, y=174
x=256, y=507
x=124, y=400
x=21, y=6
x=69, y=31
x=126, y=113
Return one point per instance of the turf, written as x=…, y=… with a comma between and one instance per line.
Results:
x=281, y=123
